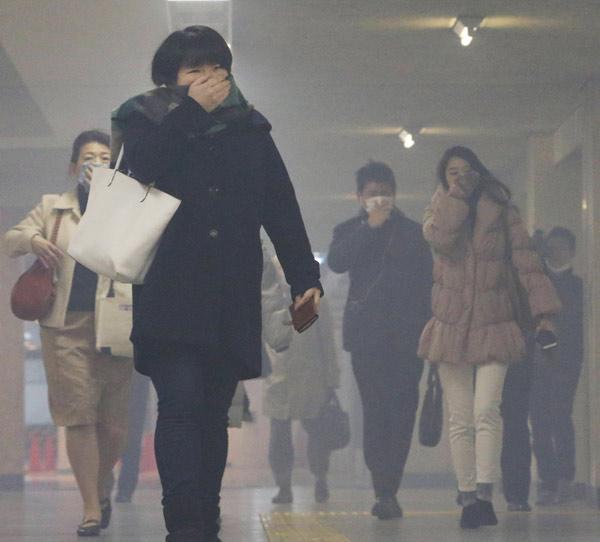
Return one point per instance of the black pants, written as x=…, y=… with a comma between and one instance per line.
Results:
x=553, y=393
x=194, y=389
x=281, y=451
x=516, y=446
x=388, y=382
x=130, y=458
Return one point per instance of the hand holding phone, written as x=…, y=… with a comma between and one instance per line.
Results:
x=546, y=339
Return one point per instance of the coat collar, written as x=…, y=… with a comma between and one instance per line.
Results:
x=69, y=201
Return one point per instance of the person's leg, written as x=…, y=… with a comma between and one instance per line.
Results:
x=489, y=382
x=82, y=451
x=281, y=458
x=515, y=460
x=542, y=415
x=220, y=383
x=130, y=458
x=564, y=433
x=457, y=383
x=191, y=432
x=111, y=439
x=318, y=458
x=388, y=385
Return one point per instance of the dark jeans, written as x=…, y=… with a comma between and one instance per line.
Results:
x=551, y=408
x=388, y=382
x=130, y=458
x=194, y=389
x=281, y=451
x=516, y=447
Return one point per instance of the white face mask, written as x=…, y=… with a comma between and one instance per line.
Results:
x=386, y=202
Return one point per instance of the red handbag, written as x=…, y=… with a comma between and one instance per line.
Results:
x=33, y=294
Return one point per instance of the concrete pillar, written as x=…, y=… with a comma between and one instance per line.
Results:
x=12, y=372
x=591, y=228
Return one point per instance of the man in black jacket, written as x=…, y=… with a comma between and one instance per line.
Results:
x=388, y=305
x=556, y=377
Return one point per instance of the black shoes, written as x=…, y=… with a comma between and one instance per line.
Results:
x=386, y=508
x=90, y=527
x=321, y=490
x=106, y=511
x=479, y=514
x=284, y=496
x=186, y=534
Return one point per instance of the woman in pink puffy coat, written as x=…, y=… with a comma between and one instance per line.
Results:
x=473, y=335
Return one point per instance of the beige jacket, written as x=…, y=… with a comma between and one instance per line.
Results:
x=297, y=387
x=41, y=221
x=473, y=320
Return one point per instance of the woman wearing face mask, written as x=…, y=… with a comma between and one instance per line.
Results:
x=197, y=318
x=473, y=334
x=88, y=390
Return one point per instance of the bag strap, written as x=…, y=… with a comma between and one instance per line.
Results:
x=56, y=226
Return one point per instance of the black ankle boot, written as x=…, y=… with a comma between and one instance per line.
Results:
x=183, y=519
x=470, y=516
x=487, y=516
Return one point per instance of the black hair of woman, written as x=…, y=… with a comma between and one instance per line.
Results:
x=497, y=190
x=192, y=46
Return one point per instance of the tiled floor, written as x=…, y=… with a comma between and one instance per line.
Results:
x=50, y=515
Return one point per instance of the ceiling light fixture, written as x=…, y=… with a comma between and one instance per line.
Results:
x=407, y=138
x=465, y=27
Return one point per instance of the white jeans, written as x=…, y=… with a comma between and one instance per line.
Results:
x=475, y=423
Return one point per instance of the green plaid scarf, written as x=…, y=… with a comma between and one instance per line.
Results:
x=157, y=103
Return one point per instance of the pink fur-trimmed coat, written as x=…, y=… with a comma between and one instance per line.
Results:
x=473, y=319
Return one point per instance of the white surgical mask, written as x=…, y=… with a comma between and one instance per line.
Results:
x=387, y=202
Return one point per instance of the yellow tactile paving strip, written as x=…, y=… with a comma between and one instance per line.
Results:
x=288, y=527
x=308, y=526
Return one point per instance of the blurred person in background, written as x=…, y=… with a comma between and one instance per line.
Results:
x=388, y=304
x=301, y=382
x=556, y=377
x=197, y=318
x=473, y=334
x=88, y=390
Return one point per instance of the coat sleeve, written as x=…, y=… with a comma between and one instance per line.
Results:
x=349, y=242
x=283, y=223
x=18, y=238
x=542, y=296
x=331, y=370
x=154, y=152
x=443, y=220
x=274, y=308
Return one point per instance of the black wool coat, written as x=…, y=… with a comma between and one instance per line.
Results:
x=204, y=286
x=391, y=276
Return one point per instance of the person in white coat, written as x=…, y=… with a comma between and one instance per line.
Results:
x=301, y=382
x=88, y=388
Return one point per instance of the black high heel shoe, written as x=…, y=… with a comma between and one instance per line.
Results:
x=106, y=511
x=89, y=527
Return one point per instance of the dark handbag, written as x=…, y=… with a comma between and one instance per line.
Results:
x=518, y=296
x=33, y=294
x=334, y=425
x=431, y=419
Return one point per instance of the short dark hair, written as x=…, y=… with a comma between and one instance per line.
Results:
x=564, y=233
x=89, y=136
x=377, y=172
x=190, y=47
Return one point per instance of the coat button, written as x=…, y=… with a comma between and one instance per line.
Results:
x=213, y=189
x=212, y=148
x=213, y=233
x=191, y=136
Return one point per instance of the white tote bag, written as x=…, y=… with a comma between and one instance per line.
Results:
x=113, y=326
x=119, y=232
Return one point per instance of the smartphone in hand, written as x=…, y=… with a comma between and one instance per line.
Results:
x=546, y=339
x=305, y=316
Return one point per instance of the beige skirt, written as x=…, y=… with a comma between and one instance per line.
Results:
x=85, y=386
